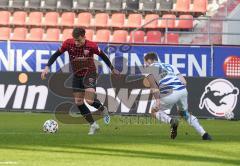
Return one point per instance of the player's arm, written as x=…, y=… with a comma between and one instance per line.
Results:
x=105, y=59
x=182, y=79
x=179, y=75
x=50, y=62
x=53, y=59
x=108, y=62
x=155, y=90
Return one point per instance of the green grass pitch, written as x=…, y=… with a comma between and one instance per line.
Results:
x=23, y=143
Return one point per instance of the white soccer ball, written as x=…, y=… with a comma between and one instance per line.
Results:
x=229, y=115
x=50, y=126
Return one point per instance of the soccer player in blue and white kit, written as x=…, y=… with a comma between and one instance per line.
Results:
x=169, y=88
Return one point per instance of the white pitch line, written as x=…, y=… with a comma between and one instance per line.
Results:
x=8, y=162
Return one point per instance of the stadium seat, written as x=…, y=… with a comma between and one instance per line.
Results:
x=4, y=4
x=18, y=4
x=166, y=4
x=101, y=20
x=134, y=20
x=36, y=34
x=118, y=20
x=50, y=4
x=35, y=18
x=120, y=36
x=67, y=19
x=19, y=34
x=99, y=4
x=19, y=18
x=5, y=33
x=183, y=5
x=82, y=4
x=103, y=35
x=51, y=19
x=115, y=5
x=67, y=33
x=153, y=37
x=149, y=5
x=172, y=38
x=84, y=19
x=34, y=4
x=52, y=34
x=89, y=34
x=185, y=24
x=5, y=17
x=168, y=21
x=66, y=5
x=132, y=5
x=200, y=6
x=150, y=18
x=137, y=36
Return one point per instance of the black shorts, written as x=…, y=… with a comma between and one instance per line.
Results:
x=79, y=84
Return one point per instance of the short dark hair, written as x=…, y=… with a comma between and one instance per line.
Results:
x=151, y=56
x=77, y=32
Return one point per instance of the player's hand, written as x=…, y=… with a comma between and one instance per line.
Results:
x=116, y=72
x=44, y=73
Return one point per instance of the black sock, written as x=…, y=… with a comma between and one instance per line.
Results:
x=85, y=112
x=97, y=104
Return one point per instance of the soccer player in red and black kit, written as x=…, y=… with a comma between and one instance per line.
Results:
x=81, y=52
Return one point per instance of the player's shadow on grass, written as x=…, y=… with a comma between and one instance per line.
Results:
x=133, y=154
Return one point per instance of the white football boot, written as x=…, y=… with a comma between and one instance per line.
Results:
x=93, y=128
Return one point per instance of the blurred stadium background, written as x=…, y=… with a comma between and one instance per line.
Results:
x=152, y=21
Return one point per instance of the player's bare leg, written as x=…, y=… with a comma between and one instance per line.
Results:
x=90, y=97
x=163, y=117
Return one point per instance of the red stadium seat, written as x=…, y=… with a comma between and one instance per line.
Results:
x=19, y=18
x=134, y=21
x=154, y=37
x=84, y=19
x=52, y=34
x=19, y=34
x=168, y=21
x=120, y=36
x=183, y=5
x=5, y=33
x=137, y=37
x=103, y=35
x=118, y=20
x=200, y=6
x=89, y=34
x=152, y=24
x=36, y=34
x=172, y=38
x=35, y=18
x=67, y=19
x=101, y=20
x=51, y=19
x=67, y=33
x=185, y=24
x=5, y=17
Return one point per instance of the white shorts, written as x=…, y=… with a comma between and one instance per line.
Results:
x=180, y=98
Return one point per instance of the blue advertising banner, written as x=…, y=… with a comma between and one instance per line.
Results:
x=33, y=56
x=28, y=57
x=226, y=61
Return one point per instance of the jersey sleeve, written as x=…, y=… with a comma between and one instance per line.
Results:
x=175, y=70
x=96, y=49
x=64, y=47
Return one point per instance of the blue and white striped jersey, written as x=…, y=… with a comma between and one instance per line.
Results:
x=167, y=79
